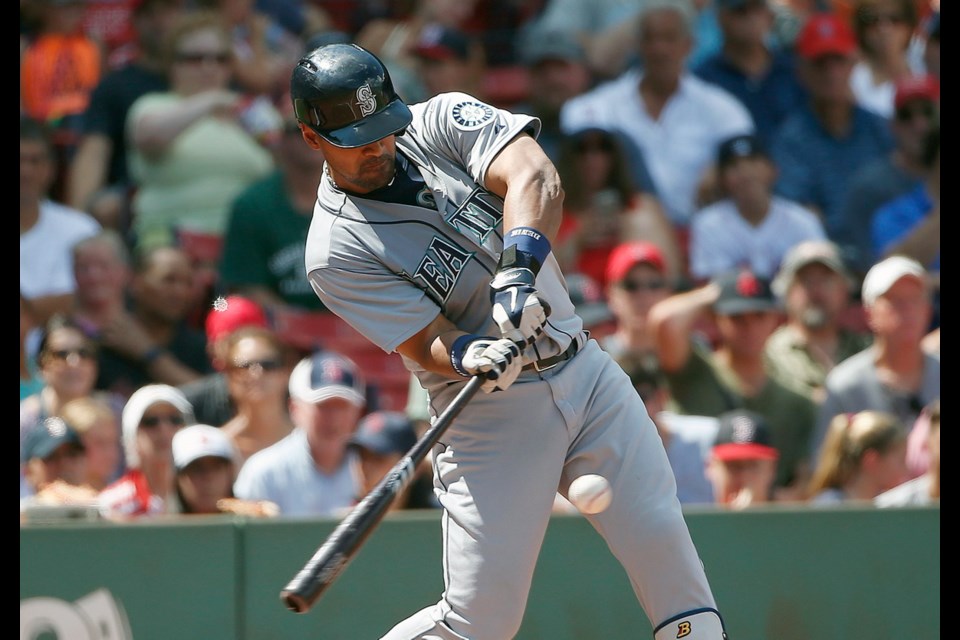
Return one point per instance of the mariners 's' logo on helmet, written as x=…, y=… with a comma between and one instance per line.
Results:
x=366, y=100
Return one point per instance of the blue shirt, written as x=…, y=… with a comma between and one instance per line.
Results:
x=816, y=167
x=769, y=98
x=893, y=221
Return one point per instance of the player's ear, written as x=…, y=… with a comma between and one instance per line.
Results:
x=310, y=137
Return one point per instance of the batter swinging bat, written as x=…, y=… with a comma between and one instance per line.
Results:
x=344, y=542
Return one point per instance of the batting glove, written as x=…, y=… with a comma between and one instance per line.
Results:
x=498, y=361
x=517, y=307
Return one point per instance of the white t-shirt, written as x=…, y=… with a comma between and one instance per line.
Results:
x=46, y=258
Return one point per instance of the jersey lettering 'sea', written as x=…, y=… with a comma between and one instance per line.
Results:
x=441, y=267
x=469, y=115
x=478, y=216
x=366, y=100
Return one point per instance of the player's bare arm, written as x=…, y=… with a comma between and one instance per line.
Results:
x=526, y=179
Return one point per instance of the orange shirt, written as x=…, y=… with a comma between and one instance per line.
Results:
x=57, y=75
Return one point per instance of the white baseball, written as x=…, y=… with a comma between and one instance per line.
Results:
x=590, y=493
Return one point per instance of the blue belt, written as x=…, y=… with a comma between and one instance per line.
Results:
x=549, y=363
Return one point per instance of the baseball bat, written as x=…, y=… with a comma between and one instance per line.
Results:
x=345, y=541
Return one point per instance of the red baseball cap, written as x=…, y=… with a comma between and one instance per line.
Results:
x=625, y=255
x=923, y=87
x=825, y=34
x=232, y=313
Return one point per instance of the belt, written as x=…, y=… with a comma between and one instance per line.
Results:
x=549, y=363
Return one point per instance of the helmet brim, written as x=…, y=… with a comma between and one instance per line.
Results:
x=394, y=118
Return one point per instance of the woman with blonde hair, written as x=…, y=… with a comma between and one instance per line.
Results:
x=863, y=455
x=96, y=422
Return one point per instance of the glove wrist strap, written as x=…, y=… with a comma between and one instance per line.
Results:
x=458, y=349
x=524, y=247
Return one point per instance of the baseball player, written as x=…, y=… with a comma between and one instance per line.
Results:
x=431, y=236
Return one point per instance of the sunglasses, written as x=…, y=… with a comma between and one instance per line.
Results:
x=267, y=365
x=922, y=110
x=641, y=285
x=198, y=58
x=64, y=354
x=154, y=421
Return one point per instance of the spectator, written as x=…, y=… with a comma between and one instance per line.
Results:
x=102, y=273
x=153, y=342
x=450, y=60
x=752, y=65
x=190, y=154
x=893, y=174
x=709, y=381
x=48, y=229
x=264, y=243
x=382, y=438
x=257, y=378
x=210, y=394
x=151, y=417
x=821, y=144
x=95, y=420
x=894, y=374
x=909, y=225
x=52, y=452
x=67, y=363
x=604, y=207
x=97, y=180
x=636, y=276
x=863, y=455
x=742, y=467
x=676, y=119
x=884, y=30
x=924, y=489
x=58, y=70
x=557, y=71
x=816, y=290
x=749, y=226
x=311, y=472
x=206, y=466
x=686, y=439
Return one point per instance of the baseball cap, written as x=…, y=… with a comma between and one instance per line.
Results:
x=825, y=34
x=137, y=405
x=438, y=42
x=324, y=375
x=743, y=435
x=232, y=313
x=385, y=432
x=742, y=291
x=201, y=441
x=628, y=254
x=924, y=87
x=48, y=436
x=552, y=45
x=805, y=253
x=587, y=298
x=886, y=273
x=739, y=146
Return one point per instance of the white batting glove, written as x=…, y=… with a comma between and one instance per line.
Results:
x=517, y=307
x=498, y=361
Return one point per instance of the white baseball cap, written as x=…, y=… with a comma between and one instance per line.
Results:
x=138, y=404
x=325, y=375
x=886, y=273
x=201, y=441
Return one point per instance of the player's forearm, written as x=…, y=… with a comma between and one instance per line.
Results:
x=430, y=347
x=529, y=185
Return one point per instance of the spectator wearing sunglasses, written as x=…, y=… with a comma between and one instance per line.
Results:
x=151, y=417
x=256, y=376
x=636, y=276
x=893, y=174
x=749, y=226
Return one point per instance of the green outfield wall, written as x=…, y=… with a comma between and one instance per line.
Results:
x=778, y=574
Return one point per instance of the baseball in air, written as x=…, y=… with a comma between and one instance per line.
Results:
x=590, y=493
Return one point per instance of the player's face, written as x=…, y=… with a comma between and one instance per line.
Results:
x=362, y=169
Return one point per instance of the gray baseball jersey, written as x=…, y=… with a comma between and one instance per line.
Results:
x=387, y=262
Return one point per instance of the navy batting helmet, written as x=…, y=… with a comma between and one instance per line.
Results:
x=344, y=93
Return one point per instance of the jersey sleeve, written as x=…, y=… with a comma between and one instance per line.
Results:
x=470, y=132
